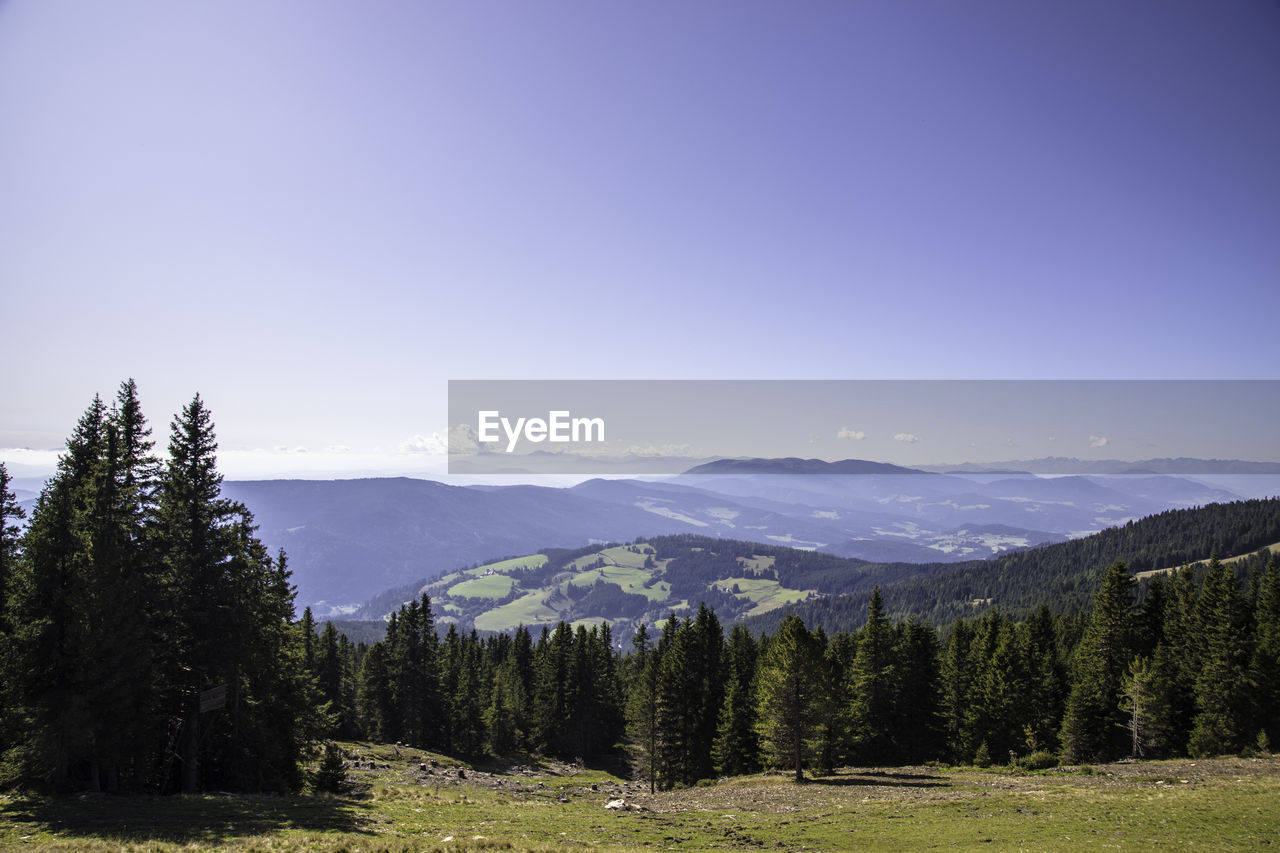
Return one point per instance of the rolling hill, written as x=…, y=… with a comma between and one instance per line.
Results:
x=744, y=581
x=349, y=539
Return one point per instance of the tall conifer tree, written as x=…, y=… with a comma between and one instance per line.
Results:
x=791, y=696
x=1094, y=725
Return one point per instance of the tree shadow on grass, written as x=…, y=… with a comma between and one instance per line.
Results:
x=199, y=819
x=882, y=778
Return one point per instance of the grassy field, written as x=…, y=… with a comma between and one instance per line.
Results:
x=766, y=593
x=488, y=586
x=527, y=610
x=545, y=605
x=1221, y=804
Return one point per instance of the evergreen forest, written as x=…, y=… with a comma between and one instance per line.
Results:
x=149, y=642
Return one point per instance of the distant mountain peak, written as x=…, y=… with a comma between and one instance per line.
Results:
x=796, y=465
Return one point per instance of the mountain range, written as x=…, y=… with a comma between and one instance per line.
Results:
x=350, y=539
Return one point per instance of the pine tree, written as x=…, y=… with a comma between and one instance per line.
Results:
x=49, y=640
x=1004, y=689
x=678, y=703
x=1093, y=725
x=1180, y=664
x=226, y=621
x=376, y=697
x=791, y=696
x=737, y=745
x=329, y=677
x=122, y=592
x=957, y=692
x=134, y=595
x=1264, y=666
x=308, y=626
x=552, y=698
x=837, y=726
x=331, y=775
x=873, y=687
x=521, y=655
x=1219, y=685
x=917, y=705
x=642, y=707
x=500, y=713
x=1161, y=733
x=10, y=514
x=1047, y=693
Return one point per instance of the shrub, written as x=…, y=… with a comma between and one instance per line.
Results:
x=1041, y=759
x=331, y=775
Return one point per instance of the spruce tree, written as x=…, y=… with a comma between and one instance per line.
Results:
x=500, y=713
x=873, y=687
x=917, y=704
x=708, y=676
x=957, y=692
x=552, y=698
x=679, y=703
x=10, y=515
x=226, y=622
x=1093, y=726
x=48, y=616
x=642, y=707
x=1264, y=665
x=737, y=746
x=1218, y=725
x=376, y=698
x=790, y=696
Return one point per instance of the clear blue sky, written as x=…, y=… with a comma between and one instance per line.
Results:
x=316, y=213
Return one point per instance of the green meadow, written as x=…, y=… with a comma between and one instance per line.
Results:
x=396, y=805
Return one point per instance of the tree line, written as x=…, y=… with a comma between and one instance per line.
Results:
x=148, y=641
x=1189, y=667
x=1064, y=575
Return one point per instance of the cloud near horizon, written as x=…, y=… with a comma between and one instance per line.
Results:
x=433, y=444
x=851, y=433
x=906, y=438
x=1097, y=441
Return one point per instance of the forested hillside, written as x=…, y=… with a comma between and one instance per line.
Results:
x=1062, y=575
x=1193, y=668
x=641, y=581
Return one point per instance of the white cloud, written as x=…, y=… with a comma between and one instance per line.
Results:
x=284, y=448
x=906, y=438
x=851, y=433
x=463, y=439
x=337, y=448
x=432, y=444
x=1097, y=441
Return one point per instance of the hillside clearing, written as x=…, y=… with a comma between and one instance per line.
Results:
x=1274, y=548
x=408, y=800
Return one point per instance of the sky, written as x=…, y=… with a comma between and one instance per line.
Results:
x=316, y=214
